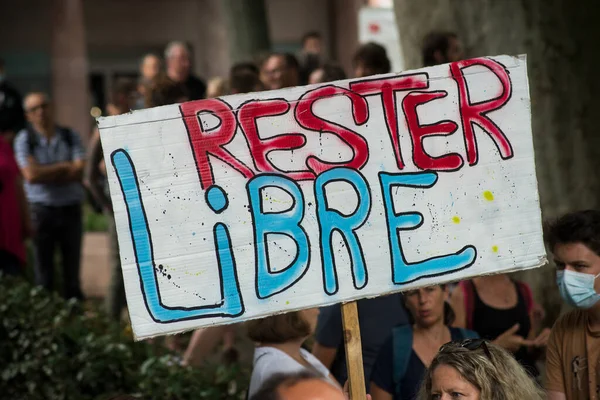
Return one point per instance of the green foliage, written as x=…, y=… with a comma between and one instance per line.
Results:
x=53, y=349
x=93, y=221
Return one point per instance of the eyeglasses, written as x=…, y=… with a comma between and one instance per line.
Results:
x=38, y=107
x=471, y=344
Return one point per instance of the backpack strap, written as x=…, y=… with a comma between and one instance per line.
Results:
x=525, y=291
x=66, y=135
x=402, y=337
x=468, y=289
x=32, y=139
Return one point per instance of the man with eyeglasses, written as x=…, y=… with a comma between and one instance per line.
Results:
x=51, y=159
x=279, y=70
x=573, y=353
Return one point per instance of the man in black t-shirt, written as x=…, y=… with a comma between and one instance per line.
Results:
x=376, y=318
x=179, y=69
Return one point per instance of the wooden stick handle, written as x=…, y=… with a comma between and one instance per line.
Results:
x=354, y=362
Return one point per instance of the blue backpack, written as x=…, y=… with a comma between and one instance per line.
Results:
x=402, y=337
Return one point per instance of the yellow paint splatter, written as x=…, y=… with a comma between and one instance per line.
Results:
x=287, y=303
x=489, y=196
x=495, y=249
x=456, y=219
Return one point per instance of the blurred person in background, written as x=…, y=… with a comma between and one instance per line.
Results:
x=216, y=87
x=12, y=116
x=164, y=91
x=376, y=317
x=370, y=59
x=327, y=73
x=501, y=310
x=573, y=355
x=279, y=71
x=150, y=68
x=311, y=55
x=441, y=48
x=179, y=70
x=245, y=78
x=96, y=180
x=279, y=340
x=15, y=222
x=312, y=43
x=52, y=159
x=293, y=69
x=407, y=353
x=477, y=370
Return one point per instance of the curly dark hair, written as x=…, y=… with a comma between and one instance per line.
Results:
x=163, y=91
x=373, y=56
x=576, y=227
x=433, y=42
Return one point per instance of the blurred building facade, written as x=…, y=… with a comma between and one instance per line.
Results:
x=75, y=49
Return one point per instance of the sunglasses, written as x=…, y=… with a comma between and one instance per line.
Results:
x=471, y=345
x=38, y=107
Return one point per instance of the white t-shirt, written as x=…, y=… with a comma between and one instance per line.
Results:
x=269, y=361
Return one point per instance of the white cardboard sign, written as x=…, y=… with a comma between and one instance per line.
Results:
x=249, y=205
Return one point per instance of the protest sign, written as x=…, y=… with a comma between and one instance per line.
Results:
x=249, y=205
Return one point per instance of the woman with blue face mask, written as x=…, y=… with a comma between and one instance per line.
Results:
x=573, y=355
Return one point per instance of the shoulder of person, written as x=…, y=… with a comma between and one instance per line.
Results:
x=21, y=137
x=464, y=333
x=266, y=354
x=269, y=360
x=570, y=322
x=310, y=358
x=67, y=129
x=315, y=362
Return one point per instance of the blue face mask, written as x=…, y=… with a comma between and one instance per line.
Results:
x=577, y=288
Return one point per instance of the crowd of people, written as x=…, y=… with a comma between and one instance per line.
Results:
x=478, y=339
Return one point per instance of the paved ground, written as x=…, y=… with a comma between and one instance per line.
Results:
x=95, y=268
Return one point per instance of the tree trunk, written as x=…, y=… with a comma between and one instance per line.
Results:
x=560, y=38
x=248, y=28
x=69, y=67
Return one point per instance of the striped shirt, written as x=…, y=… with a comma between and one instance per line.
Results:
x=46, y=152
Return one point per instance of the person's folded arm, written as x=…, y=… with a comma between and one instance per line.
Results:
x=77, y=166
x=32, y=170
x=51, y=173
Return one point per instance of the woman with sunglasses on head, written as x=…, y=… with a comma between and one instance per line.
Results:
x=477, y=370
x=279, y=340
x=405, y=356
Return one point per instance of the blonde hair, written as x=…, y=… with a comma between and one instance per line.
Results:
x=489, y=368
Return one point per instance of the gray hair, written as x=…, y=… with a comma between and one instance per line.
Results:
x=173, y=45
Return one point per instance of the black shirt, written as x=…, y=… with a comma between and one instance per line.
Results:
x=12, y=116
x=491, y=322
x=376, y=317
x=195, y=87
